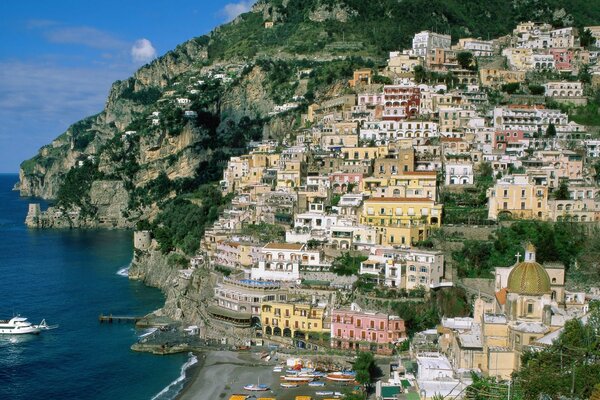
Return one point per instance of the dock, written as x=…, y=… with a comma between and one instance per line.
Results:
x=117, y=318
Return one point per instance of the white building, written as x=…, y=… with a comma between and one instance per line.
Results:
x=592, y=148
x=282, y=261
x=459, y=173
x=404, y=268
x=436, y=376
x=542, y=61
x=564, y=89
x=479, y=48
x=425, y=42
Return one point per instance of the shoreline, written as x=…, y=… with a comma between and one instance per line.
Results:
x=222, y=373
x=192, y=374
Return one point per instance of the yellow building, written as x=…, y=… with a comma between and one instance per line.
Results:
x=518, y=197
x=293, y=320
x=496, y=77
x=364, y=153
x=401, y=221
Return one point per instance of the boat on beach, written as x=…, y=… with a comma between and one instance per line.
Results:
x=298, y=378
x=289, y=385
x=19, y=325
x=341, y=377
x=256, y=388
x=316, y=384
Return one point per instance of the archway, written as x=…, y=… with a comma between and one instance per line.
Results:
x=268, y=330
x=287, y=332
x=277, y=331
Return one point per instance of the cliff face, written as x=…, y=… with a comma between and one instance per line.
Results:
x=188, y=293
x=237, y=75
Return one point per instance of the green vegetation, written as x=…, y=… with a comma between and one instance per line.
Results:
x=366, y=370
x=511, y=88
x=466, y=60
x=347, y=264
x=418, y=316
x=537, y=90
x=562, y=193
x=264, y=232
x=470, y=205
x=375, y=28
x=551, y=131
x=146, y=96
x=181, y=223
x=75, y=189
x=569, y=368
x=562, y=242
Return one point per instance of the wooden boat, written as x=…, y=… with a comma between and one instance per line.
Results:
x=340, y=377
x=298, y=378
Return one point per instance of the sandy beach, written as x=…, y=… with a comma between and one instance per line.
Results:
x=222, y=373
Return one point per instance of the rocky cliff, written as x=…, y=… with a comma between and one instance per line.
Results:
x=188, y=292
x=200, y=103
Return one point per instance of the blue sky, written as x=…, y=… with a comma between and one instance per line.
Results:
x=58, y=58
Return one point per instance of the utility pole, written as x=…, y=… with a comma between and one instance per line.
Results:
x=573, y=378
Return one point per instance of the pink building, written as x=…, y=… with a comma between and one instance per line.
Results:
x=370, y=100
x=353, y=329
x=400, y=102
x=504, y=137
x=563, y=58
x=341, y=180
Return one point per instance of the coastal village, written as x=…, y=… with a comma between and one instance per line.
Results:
x=363, y=184
x=329, y=226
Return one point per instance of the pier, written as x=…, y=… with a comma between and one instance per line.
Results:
x=117, y=318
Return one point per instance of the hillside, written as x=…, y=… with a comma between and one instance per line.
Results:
x=171, y=127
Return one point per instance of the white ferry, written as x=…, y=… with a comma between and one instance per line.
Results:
x=19, y=325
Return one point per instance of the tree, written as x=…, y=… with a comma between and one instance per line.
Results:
x=465, y=60
x=510, y=88
x=347, y=264
x=551, y=131
x=562, y=193
x=570, y=367
x=365, y=368
x=586, y=38
x=420, y=74
x=537, y=90
x=597, y=171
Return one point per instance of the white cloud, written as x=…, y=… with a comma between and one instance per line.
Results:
x=84, y=35
x=143, y=51
x=232, y=10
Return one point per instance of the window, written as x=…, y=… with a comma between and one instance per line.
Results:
x=529, y=308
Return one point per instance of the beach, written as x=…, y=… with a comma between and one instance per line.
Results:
x=219, y=374
x=226, y=372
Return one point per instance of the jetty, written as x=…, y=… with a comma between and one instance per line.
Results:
x=117, y=318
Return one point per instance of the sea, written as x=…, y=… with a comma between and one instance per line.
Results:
x=70, y=277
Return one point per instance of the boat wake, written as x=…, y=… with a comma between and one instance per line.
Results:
x=124, y=271
x=171, y=391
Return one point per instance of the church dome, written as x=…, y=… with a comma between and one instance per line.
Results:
x=529, y=277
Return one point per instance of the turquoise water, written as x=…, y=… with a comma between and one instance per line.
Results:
x=69, y=277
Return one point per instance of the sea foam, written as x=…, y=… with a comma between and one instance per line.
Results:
x=171, y=391
x=124, y=271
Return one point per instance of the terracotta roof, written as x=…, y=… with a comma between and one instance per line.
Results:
x=284, y=246
x=398, y=200
x=501, y=296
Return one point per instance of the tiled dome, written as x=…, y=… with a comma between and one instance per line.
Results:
x=529, y=278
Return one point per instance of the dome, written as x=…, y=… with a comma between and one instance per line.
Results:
x=529, y=277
